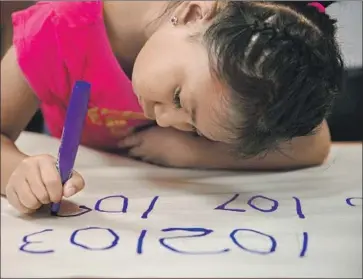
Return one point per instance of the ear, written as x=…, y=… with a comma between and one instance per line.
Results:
x=190, y=12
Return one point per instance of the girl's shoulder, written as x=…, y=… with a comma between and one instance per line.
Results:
x=51, y=41
x=78, y=13
x=71, y=13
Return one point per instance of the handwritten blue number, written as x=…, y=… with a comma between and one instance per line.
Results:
x=76, y=243
x=201, y=231
x=27, y=243
x=272, y=239
x=223, y=206
x=140, y=241
x=85, y=210
x=304, y=245
x=349, y=201
x=151, y=207
x=274, y=205
x=298, y=208
x=124, y=206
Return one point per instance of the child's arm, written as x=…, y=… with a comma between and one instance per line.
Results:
x=300, y=152
x=18, y=105
x=27, y=181
x=167, y=146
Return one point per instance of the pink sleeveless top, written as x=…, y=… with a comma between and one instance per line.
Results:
x=58, y=43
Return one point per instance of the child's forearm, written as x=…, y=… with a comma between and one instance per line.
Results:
x=10, y=159
x=300, y=152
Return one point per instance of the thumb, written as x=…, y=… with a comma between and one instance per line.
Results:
x=73, y=185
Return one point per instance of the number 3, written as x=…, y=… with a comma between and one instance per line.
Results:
x=27, y=242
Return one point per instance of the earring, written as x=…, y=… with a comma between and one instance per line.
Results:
x=174, y=20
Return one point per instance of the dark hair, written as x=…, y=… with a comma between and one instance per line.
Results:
x=282, y=65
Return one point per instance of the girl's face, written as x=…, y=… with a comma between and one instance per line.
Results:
x=174, y=83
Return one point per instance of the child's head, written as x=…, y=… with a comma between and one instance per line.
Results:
x=253, y=74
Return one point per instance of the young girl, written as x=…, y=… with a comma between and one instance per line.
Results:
x=224, y=80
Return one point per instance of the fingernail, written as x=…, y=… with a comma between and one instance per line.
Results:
x=69, y=191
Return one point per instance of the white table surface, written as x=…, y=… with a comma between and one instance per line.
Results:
x=240, y=239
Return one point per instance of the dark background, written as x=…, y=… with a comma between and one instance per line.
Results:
x=346, y=120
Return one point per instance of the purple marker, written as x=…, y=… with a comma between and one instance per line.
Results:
x=72, y=132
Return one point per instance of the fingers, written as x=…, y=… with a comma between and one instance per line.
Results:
x=73, y=185
x=136, y=152
x=39, y=189
x=26, y=196
x=127, y=133
x=137, y=135
x=139, y=153
x=36, y=181
x=51, y=180
x=130, y=141
x=138, y=148
x=15, y=201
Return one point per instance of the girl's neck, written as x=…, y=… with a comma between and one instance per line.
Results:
x=129, y=24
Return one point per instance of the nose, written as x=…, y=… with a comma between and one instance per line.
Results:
x=171, y=117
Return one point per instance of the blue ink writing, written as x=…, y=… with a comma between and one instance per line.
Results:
x=28, y=242
x=298, y=208
x=349, y=201
x=84, y=246
x=201, y=232
x=274, y=205
x=223, y=206
x=151, y=207
x=85, y=210
x=140, y=241
x=125, y=202
x=304, y=244
x=271, y=238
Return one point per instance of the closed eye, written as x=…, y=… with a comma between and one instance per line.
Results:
x=176, y=98
x=177, y=103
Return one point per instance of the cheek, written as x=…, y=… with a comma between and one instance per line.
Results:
x=156, y=71
x=213, y=112
x=151, y=81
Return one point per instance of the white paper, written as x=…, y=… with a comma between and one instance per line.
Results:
x=174, y=223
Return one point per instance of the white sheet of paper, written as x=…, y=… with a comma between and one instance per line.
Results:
x=142, y=221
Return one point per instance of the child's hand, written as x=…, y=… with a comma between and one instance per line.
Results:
x=36, y=182
x=164, y=146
